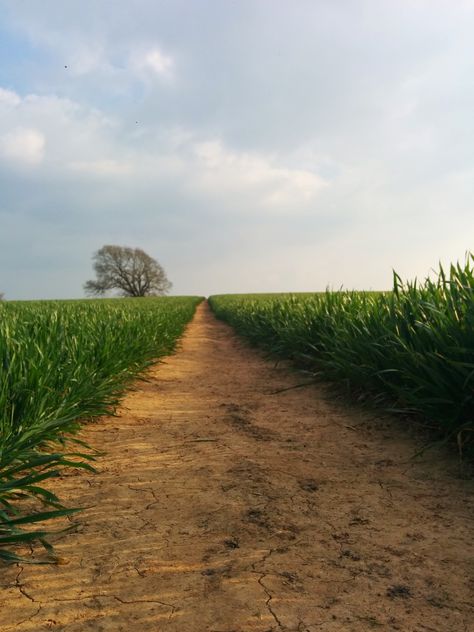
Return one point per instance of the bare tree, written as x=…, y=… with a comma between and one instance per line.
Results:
x=129, y=270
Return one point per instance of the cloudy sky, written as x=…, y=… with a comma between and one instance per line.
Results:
x=248, y=145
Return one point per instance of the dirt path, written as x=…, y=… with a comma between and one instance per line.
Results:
x=221, y=507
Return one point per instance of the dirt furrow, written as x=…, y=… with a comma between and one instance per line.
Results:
x=230, y=502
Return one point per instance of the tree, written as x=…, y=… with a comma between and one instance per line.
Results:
x=129, y=270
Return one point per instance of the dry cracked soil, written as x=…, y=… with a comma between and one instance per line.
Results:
x=228, y=501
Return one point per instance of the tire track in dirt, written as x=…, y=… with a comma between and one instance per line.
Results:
x=220, y=507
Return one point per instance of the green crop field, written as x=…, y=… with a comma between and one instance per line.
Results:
x=410, y=350
x=63, y=362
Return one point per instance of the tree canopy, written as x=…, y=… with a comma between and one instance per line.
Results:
x=131, y=271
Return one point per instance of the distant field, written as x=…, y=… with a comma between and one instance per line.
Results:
x=410, y=350
x=63, y=361
x=283, y=295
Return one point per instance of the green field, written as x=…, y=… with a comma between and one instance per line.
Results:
x=410, y=350
x=64, y=362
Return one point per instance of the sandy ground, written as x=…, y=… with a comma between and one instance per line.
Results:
x=222, y=506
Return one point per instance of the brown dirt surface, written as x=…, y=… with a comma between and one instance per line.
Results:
x=224, y=506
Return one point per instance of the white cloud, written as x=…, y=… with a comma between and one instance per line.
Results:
x=85, y=142
x=159, y=62
x=8, y=97
x=152, y=62
x=24, y=146
x=105, y=167
x=223, y=170
x=87, y=60
x=72, y=134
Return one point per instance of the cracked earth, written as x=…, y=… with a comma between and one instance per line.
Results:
x=229, y=501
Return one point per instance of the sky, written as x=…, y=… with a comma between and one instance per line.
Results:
x=247, y=145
